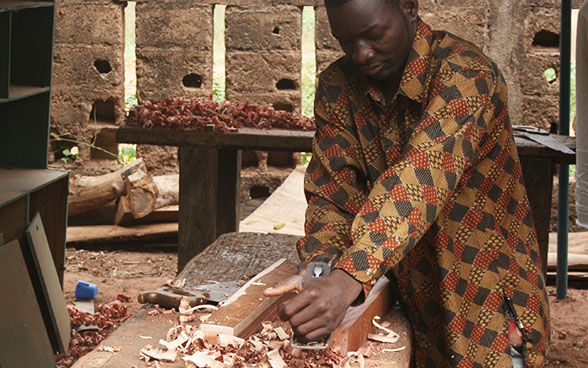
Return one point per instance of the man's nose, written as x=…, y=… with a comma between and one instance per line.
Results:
x=362, y=53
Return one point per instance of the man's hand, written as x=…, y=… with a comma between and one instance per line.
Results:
x=321, y=304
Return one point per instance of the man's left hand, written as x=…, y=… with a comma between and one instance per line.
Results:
x=321, y=305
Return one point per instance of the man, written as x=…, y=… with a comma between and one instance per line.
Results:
x=415, y=175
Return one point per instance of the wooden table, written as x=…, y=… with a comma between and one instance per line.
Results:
x=210, y=163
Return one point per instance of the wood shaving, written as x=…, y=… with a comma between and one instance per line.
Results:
x=148, y=353
x=109, y=349
x=393, y=350
x=275, y=360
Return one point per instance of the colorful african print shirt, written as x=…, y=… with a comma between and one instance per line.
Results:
x=428, y=189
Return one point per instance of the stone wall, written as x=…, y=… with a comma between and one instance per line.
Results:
x=174, y=48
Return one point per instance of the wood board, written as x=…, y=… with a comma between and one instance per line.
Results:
x=51, y=299
x=242, y=314
x=357, y=323
x=24, y=341
x=101, y=234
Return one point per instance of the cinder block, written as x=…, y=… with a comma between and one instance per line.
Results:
x=164, y=73
x=263, y=29
x=89, y=24
x=84, y=67
x=534, y=83
x=174, y=24
x=263, y=72
x=160, y=160
x=469, y=24
x=540, y=111
x=324, y=40
x=72, y=110
x=287, y=101
x=542, y=20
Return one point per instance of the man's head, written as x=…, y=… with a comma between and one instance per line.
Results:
x=376, y=34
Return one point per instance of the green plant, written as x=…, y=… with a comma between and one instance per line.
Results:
x=306, y=156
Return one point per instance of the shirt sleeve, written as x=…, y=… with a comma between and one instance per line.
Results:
x=335, y=185
x=408, y=196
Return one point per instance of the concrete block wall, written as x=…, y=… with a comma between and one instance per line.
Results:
x=88, y=79
x=263, y=56
x=174, y=48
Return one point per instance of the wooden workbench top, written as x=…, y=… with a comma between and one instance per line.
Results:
x=292, y=140
x=228, y=258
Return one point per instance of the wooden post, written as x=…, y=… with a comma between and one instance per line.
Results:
x=228, y=201
x=197, y=218
x=538, y=174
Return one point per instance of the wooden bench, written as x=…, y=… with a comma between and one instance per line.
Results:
x=210, y=164
x=228, y=258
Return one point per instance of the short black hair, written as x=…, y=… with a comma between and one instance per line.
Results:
x=336, y=3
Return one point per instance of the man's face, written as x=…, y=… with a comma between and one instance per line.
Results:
x=376, y=34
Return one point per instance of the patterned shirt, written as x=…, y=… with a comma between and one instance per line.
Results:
x=428, y=189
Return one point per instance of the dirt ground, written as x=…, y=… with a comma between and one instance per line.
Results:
x=131, y=272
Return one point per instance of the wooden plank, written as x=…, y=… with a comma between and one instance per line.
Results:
x=357, y=323
x=228, y=198
x=59, y=325
x=246, y=138
x=291, y=140
x=124, y=216
x=101, y=234
x=23, y=341
x=242, y=314
x=198, y=201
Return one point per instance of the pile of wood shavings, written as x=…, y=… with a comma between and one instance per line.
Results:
x=203, y=113
x=269, y=348
x=106, y=319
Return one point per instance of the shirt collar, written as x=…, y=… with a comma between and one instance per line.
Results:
x=413, y=81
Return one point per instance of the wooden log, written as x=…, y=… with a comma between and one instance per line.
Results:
x=141, y=192
x=168, y=188
x=357, y=323
x=242, y=314
x=87, y=193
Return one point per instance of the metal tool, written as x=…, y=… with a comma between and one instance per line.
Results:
x=541, y=136
x=219, y=291
x=319, y=267
x=169, y=297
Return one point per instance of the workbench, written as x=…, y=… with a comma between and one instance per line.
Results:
x=227, y=259
x=210, y=164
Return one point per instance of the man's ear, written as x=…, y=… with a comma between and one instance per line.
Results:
x=410, y=8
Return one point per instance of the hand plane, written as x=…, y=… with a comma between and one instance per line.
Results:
x=318, y=267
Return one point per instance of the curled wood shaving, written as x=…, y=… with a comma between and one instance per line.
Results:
x=353, y=357
x=390, y=337
x=393, y=350
x=282, y=335
x=203, y=360
x=275, y=360
x=148, y=353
